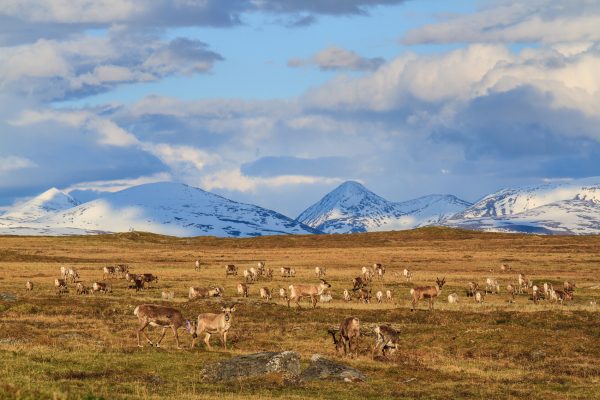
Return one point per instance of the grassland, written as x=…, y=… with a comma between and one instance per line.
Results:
x=85, y=346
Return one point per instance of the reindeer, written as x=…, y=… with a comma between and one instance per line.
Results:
x=162, y=317
x=472, y=288
x=265, y=293
x=108, y=272
x=197, y=265
x=230, y=269
x=479, y=297
x=388, y=295
x=249, y=276
x=242, y=289
x=29, y=286
x=347, y=296
x=407, y=275
x=453, y=298
x=523, y=283
x=492, y=286
x=63, y=272
x=80, y=288
x=427, y=292
x=387, y=339
x=283, y=293
x=367, y=273
x=210, y=324
x=510, y=289
x=358, y=283
x=121, y=270
x=167, y=295
x=379, y=270
x=297, y=292
x=268, y=274
x=149, y=278
x=569, y=286
x=561, y=296
x=103, y=287
x=505, y=268
x=379, y=296
x=349, y=333
x=320, y=272
x=546, y=289
x=71, y=275
x=287, y=272
x=61, y=286
x=364, y=295
x=203, y=292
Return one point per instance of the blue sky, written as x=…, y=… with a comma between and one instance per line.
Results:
x=277, y=102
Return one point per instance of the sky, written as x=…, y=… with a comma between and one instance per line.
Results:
x=276, y=102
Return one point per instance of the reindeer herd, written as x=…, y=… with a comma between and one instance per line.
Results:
x=345, y=337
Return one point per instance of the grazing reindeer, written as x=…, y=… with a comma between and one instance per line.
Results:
x=347, y=296
x=288, y=272
x=167, y=295
x=162, y=317
x=320, y=272
x=492, y=286
x=407, y=275
x=103, y=287
x=265, y=293
x=364, y=295
x=108, y=272
x=80, y=288
x=379, y=296
x=388, y=295
x=242, y=289
x=523, y=283
x=29, y=286
x=203, y=292
x=71, y=275
x=453, y=298
x=283, y=293
x=297, y=292
x=387, y=340
x=230, y=269
x=505, y=268
x=561, y=296
x=472, y=288
x=479, y=297
x=569, y=286
x=349, y=333
x=149, y=278
x=358, y=283
x=61, y=286
x=210, y=324
x=367, y=273
x=379, y=270
x=510, y=289
x=197, y=265
x=427, y=292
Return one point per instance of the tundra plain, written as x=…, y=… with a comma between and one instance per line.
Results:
x=84, y=346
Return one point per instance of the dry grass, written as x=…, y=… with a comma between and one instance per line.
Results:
x=85, y=346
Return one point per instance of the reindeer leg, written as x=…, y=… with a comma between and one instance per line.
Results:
x=164, y=331
x=225, y=340
x=207, y=341
x=176, y=337
x=142, y=331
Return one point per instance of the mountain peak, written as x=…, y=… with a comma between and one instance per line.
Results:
x=52, y=200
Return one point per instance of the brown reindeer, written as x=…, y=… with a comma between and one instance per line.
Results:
x=29, y=286
x=427, y=292
x=242, y=289
x=210, y=324
x=510, y=289
x=387, y=340
x=230, y=269
x=61, y=286
x=358, y=283
x=104, y=287
x=364, y=295
x=297, y=292
x=349, y=333
x=569, y=286
x=149, y=278
x=203, y=292
x=162, y=317
x=472, y=287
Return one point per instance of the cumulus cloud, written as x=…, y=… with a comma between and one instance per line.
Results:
x=337, y=58
x=506, y=21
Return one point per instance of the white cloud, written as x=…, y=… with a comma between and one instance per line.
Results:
x=337, y=58
x=13, y=163
x=116, y=185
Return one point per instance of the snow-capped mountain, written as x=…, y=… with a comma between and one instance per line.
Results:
x=554, y=208
x=50, y=201
x=165, y=208
x=351, y=207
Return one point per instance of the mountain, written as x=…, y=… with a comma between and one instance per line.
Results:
x=165, y=208
x=553, y=208
x=351, y=207
x=50, y=201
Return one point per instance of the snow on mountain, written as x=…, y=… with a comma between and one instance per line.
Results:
x=351, y=207
x=50, y=201
x=554, y=208
x=173, y=209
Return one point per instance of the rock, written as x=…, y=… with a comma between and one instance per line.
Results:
x=286, y=363
x=8, y=297
x=322, y=368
